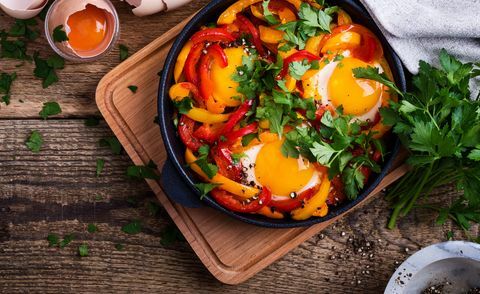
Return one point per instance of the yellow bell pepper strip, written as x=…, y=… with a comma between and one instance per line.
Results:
x=309, y=74
x=313, y=44
x=180, y=63
x=313, y=203
x=286, y=15
x=322, y=211
x=267, y=211
x=229, y=15
x=269, y=35
x=257, y=12
x=226, y=184
x=205, y=116
x=343, y=18
x=185, y=89
x=342, y=41
x=290, y=83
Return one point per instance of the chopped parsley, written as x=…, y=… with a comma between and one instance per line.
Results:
x=133, y=88
x=123, y=52
x=6, y=81
x=205, y=188
x=113, y=143
x=119, y=247
x=170, y=235
x=67, y=239
x=22, y=28
x=45, y=69
x=53, y=240
x=83, y=250
x=152, y=208
x=183, y=106
x=132, y=228
x=59, y=34
x=148, y=171
x=49, y=109
x=100, y=165
x=92, y=228
x=209, y=169
x=34, y=142
x=269, y=17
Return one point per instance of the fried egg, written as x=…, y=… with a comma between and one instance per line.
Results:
x=334, y=84
x=264, y=165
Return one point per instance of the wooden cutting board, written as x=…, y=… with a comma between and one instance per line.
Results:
x=231, y=250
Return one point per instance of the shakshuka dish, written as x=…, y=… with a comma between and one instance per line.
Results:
x=271, y=112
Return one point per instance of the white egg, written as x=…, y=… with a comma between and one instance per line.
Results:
x=248, y=166
x=149, y=7
x=22, y=9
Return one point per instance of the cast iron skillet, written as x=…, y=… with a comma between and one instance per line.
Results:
x=178, y=180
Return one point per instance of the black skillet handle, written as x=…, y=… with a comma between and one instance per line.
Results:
x=176, y=188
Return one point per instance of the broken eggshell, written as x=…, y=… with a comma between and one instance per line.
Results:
x=22, y=9
x=59, y=14
x=149, y=7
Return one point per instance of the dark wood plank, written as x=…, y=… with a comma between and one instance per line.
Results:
x=55, y=191
x=76, y=89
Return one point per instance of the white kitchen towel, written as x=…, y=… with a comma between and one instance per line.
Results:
x=418, y=29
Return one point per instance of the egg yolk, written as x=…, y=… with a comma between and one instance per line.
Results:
x=281, y=174
x=88, y=28
x=357, y=96
x=225, y=88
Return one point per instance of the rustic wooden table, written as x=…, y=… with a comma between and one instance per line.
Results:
x=56, y=191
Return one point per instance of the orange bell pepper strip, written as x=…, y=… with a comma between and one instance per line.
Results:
x=214, y=53
x=269, y=35
x=322, y=211
x=242, y=191
x=267, y=211
x=313, y=44
x=313, y=203
x=343, y=18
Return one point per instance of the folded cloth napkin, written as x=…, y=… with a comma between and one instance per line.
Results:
x=418, y=29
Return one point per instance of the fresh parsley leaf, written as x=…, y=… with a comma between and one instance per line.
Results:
x=59, y=34
x=100, y=165
x=353, y=180
x=202, y=161
x=338, y=57
x=67, y=239
x=53, y=240
x=372, y=73
x=92, y=122
x=6, y=81
x=132, y=228
x=123, y=52
x=92, y=228
x=22, y=28
x=183, y=106
x=247, y=139
x=49, y=109
x=14, y=49
x=113, y=143
x=170, y=235
x=298, y=68
x=45, y=69
x=237, y=156
x=205, y=188
x=34, y=142
x=83, y=250
x=119, y=247
x=133, y=88
x=148, y=171
x=269, y=17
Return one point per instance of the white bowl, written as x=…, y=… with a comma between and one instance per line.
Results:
x=454, y=264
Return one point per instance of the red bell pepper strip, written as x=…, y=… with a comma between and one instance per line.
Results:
x=234, y=135
x=247, y=26
x=229, y=201
x=214, y=52
x=206, y=133
x=226, y=166
x=190, y=68
x=194, y=90
x=237, y=115
x=337, y=194
x=185, y=130
x=297, y=56
x=212, y=35
x=293, y=203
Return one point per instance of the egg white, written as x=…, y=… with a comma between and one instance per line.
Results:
x=248, y=166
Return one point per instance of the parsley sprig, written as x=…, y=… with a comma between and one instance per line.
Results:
x=440, y=125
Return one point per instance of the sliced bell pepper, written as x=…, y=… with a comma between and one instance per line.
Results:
x=229, y=201
x=247, y=26
x=205, y=116
x=285, y=10
x=297, y=56
x=343, y=18
x=181, y=59
x=293, y=203
x=212, y=35
x=185, y=131
x=184, y=89
x=268, y=212
x=214, y=53
x=226, y=184
x=322, y=211
x=237, y=115
x=313, y=44
x=226, y=166
x=230, y=14
x=269, y=35
x=232, y=136
x=190, y=68
x=208, y=132
x=313, y=203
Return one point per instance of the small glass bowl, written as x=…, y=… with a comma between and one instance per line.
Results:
x=70, y=56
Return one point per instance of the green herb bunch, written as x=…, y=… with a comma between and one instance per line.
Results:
x=439, y=123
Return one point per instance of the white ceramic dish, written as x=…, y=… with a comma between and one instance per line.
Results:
x=454, y=264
